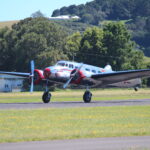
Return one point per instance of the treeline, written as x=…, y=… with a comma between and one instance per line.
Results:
x=98, y=10
x=46, y=42
x=140, y=28
x=36, y=39
x=136, y=14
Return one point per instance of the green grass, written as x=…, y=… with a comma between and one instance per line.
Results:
x=72, y=123
x=76, y=95
x=146, y=60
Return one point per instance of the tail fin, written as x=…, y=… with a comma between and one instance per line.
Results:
x=108, y=67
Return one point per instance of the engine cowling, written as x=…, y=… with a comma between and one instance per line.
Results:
x=38, y=76
x=77, y=78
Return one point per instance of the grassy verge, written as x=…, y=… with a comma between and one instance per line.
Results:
x=76, y=95
x=70, y=123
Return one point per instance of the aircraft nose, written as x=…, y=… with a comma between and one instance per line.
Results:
x=47, y=73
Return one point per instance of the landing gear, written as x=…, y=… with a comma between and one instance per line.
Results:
x=46, y=97
x=136, y=88
x=87, y=97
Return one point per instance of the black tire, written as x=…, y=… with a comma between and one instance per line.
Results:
x=87, y=97
x=46, y=97
x=136, y=89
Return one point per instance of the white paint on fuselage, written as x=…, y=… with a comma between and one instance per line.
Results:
x=63, y=69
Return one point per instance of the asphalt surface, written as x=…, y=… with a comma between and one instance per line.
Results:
x=115, y=143
x=74, y=104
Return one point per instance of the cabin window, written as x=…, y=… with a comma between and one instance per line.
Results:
x=71, y=66
x=66, y=65
x=93, y=71
x=87, y=69
x=99, y=72
x=61, y=64
x=76, y=67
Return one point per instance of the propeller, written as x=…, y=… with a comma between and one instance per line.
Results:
x=72, y=76
x=32, y=76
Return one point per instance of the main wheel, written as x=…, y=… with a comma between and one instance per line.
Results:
x=136, y=88
x=46, y=97
x=87, y=97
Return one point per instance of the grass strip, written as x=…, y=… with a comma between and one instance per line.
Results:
x=76, y=95
x=72, y=123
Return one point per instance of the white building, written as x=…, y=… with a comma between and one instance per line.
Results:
x=9, y=83
x=65, y=17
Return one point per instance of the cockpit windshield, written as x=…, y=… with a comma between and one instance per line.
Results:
x=61, y=64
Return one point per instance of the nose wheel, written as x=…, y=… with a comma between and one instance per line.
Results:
x=46, y=97
x=87, y=97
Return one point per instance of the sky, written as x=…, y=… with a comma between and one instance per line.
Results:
x=20, y=9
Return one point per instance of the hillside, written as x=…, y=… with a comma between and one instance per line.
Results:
x=8, y=23
x=97, y=11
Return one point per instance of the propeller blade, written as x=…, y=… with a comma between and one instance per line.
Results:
x=32, y=67
x=32, y=76
x=68, y=82
x=32, y=86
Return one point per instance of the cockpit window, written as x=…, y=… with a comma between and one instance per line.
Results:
x=61, y=64
x=71, y=66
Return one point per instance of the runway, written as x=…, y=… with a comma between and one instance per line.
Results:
x=74, y=104
x=112, y=143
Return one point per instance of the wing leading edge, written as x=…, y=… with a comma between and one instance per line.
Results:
x=20, y=74
x=118, y=76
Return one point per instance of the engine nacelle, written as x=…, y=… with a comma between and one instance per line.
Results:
x=78, y=76
x=38, y=76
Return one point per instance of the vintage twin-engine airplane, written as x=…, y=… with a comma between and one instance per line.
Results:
x=67, y=72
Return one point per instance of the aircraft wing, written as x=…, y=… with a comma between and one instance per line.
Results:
x=20, y=74
x=118, y=76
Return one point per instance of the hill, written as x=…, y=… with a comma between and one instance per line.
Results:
x=135, y=13
x=98, y=10
x=8, y=23
x=73, y=26
x=68, y=25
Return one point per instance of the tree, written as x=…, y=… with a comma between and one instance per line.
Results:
x=37, y=14
x=117, y=41
x=148, y=24
x=72, y=45
x=91, y=47
x=30, y=39
x=8, y=39
x=49, y=57
x=111, y=45
x=28, y=47
x=87, y=18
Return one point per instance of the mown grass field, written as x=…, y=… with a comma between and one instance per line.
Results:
x=8, y=23
x=72, y=123
x=76, y=95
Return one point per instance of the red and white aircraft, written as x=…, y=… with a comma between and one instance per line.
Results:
x=68, y=72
